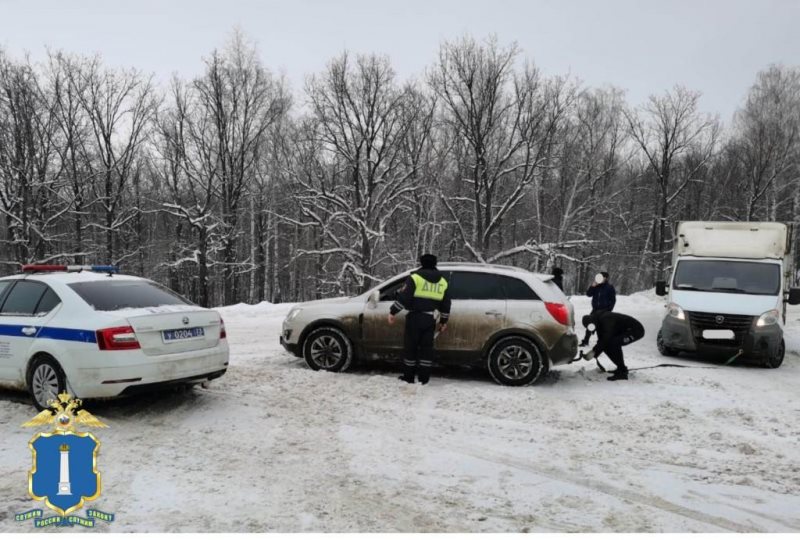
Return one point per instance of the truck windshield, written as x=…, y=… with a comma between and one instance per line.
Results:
x=728, y=276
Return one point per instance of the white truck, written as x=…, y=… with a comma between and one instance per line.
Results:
x=728, y=291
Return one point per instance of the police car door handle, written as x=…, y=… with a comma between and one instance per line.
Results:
x=28, y=330
x=494, y=313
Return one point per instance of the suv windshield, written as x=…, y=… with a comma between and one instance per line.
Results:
x=728, y=276
x=115, y=294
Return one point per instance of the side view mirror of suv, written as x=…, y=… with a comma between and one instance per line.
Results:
x=794, y=296
x=374, y=298
x=661, y=288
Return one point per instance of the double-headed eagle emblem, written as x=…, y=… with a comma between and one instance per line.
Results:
x=64, y=414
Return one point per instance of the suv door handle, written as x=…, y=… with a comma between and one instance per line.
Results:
x=494, y=313
x=28, y=330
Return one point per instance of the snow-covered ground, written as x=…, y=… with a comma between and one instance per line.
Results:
x=274, y=446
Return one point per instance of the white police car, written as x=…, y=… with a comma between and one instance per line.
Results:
x=97, y=333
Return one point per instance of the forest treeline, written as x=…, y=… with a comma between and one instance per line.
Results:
x=231, y=187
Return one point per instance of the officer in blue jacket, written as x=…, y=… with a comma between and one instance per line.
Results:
x=603, y=296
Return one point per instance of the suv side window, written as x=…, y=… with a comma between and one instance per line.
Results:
x=475, y=286
x=516, y=289
x=23, y=298
x=389, y=293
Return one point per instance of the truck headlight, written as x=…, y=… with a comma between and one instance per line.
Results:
x=769, y=318
x=293, y=314
x=674, y=310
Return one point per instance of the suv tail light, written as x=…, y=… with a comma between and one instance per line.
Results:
x=560, y=312
x=222, y=333
x=117, y=339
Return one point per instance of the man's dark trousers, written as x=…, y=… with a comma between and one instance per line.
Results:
x=614, y=348
x=420, y=329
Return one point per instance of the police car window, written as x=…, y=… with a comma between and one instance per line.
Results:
x=475, y=286
x=48, y=301
x=4, y=288
x=115, y=294
x=23, y=298
x=516, y=289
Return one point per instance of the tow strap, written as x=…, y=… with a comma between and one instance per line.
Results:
x=728, y=362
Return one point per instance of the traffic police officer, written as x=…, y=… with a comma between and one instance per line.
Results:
x=424, y=291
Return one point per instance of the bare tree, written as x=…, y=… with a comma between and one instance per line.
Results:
x=666, y=129
x=502, y=125
x=362, y=146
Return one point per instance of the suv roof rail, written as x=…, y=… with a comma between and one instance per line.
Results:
x=485, y=265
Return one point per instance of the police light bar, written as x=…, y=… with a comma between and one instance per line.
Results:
x=106, y=268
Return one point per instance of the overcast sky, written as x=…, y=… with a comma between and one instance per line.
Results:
x=642, y=46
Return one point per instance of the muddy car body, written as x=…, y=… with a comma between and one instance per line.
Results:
x=516, y=323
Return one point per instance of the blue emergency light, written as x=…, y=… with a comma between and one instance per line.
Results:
x=105, y=268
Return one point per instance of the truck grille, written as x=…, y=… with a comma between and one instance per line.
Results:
x=740, y=324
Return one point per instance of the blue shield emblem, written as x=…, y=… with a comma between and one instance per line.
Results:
x=64, y=473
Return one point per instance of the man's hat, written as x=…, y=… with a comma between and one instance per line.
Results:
x=428, y=261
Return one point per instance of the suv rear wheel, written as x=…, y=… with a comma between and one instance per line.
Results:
x=516, y=361
x=327, y=348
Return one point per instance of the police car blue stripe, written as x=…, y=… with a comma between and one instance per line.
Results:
x=48, y=332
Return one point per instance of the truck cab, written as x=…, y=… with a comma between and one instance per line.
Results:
x=728, y=291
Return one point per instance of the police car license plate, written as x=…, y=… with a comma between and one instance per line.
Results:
x=183, y=333
x=718, y=334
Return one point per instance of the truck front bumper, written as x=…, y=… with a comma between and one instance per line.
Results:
x=758, y=343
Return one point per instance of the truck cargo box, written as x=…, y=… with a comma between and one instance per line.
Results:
x=732, y=239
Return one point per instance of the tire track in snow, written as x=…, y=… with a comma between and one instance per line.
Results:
x=558, y=475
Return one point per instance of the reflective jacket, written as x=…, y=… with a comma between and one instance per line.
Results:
x=424, y=290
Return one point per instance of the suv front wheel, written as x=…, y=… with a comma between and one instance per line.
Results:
x=327, y=348
x=516, y=361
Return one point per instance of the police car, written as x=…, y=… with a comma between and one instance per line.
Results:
x=96, y=333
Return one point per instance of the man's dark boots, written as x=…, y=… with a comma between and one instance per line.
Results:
x=619, y=375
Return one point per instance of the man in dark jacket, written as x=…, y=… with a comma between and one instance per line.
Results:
x=614, y=331
x=423, y=292
x=603, y=296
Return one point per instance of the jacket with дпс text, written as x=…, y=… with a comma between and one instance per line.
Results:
x=407, y=300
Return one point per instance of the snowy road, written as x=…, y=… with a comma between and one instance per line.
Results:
x=274, y=446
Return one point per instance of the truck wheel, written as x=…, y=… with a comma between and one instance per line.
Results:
x=776, y=360
x=46, y=380
x=327, y=348
x=516, y=361
x=662, y=347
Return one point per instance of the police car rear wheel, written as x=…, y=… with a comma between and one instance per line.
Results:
x=516, y=361
x=45, y=381
x=328, y=349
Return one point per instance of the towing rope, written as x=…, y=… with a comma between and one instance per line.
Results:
x=728, y=362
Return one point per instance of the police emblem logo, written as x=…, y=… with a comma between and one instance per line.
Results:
x=64, y=474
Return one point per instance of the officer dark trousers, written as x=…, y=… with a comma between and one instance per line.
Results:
x=419, y=332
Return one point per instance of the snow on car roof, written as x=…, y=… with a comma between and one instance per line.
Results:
x=72, y=277
x=494, y=268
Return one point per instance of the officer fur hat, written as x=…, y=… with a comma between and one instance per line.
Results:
x=428, y=261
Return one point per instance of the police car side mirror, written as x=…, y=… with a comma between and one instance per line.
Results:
x=373, y=299
x=794, y=296
x=661, y=288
